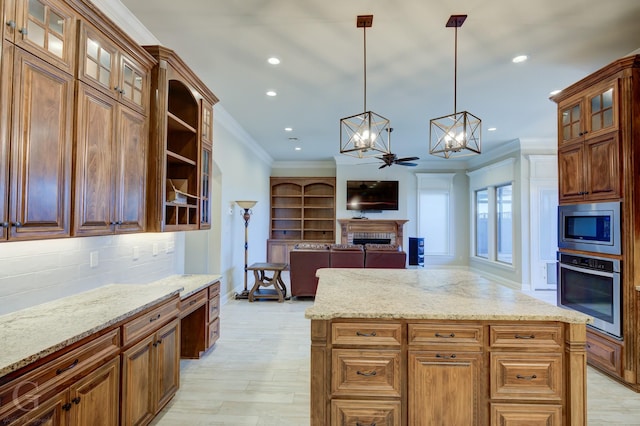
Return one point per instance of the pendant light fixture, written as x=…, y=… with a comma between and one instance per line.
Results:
x=366, y=134
x=457, y=134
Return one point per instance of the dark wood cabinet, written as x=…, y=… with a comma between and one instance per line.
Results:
x=40, y=148
x=176, y=144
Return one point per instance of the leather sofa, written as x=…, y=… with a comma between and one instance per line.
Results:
x=306, y=258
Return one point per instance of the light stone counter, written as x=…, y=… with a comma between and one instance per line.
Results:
x=33, y=333
x=453, y=294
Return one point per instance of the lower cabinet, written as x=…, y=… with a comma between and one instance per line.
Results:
x=93, y=400
x=354, y=412
x=150, y=374
x=525, y=415
x=199, y=321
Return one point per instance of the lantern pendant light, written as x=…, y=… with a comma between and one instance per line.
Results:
x=457, y=134
x=366, y=134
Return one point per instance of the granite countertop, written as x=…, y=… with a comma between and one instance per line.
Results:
x=33, y=333
x=453, y=294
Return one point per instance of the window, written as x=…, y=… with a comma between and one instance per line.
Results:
x=434, y=212
x=482, y=223
x=504, y=225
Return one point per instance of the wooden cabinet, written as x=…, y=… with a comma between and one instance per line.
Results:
x=176, y=144
x=200, y=322
x=39, y=140
x=110, y=166
x=206, y=164
x=422, y=372
x=604, y=162
x=105, y=66
x=302, y=209
x=150, y=374
x=46, y=28
x=79, y=387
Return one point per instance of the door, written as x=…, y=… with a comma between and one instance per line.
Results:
x=443, y=388
x=95, y=398
x=543, y=237
x=138, y=375
x=94, y=172
x=131, y=171
x=40, y=179
x=53, y=412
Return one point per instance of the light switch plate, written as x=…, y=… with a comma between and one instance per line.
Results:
x=93, y=259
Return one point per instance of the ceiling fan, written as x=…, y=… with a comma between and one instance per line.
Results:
x=390, y=159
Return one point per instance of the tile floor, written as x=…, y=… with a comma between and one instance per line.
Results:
x=258, y=374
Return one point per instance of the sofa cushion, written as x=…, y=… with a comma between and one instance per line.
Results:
x=346, y=256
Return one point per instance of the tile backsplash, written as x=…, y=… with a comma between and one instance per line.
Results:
x=34, y=272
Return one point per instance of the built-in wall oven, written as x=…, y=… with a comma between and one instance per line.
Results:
x=592, y=285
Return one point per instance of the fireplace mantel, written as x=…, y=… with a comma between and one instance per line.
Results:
x=391, y=230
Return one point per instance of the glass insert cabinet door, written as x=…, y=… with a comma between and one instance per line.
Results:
x=594, y=113
x=44, y=28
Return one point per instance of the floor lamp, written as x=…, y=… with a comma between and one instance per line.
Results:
x=246, y=215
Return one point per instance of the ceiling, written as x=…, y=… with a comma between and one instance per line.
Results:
x=410, y=63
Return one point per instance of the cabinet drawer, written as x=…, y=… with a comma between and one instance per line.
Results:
x=150, y=321
x=544, y=336
x=366, y=373
x=353, y=412
x=439, y=334
x=366, y=334
x=214, y=331
x=214, y=289
x=604, y=353
x=52, y=375
x=214, y=308
x=193, y=302
x=526, y=376
x=526, y=415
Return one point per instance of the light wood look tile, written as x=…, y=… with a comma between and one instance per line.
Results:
x=258, y=374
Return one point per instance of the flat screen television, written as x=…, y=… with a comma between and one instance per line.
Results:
x=372, y=195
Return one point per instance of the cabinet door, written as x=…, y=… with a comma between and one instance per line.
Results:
x=40, y=149
x=443, y=388
x=138, y=377
x=46, y=28
x=132, y=84
x=602, y=167
x=98, y=61
x=205, y=188
x=131, y=171
x=95, y=398
x=571, y=172
x=94, y=172
x=6, y=83
x=570, y=121
x=168, y=362
x=52, y=412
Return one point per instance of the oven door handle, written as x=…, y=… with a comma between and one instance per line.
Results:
x=588, y=271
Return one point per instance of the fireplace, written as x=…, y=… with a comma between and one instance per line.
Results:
x=368, y=231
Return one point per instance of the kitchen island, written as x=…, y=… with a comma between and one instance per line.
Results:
x=429, y=347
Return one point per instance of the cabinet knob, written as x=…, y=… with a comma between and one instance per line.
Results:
x=67, y=406
x=76, y=400
x=4, y=225
x=17, y=224
x=11, y=24
x=23, y=31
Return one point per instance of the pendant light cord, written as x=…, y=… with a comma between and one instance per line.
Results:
x=455, y=72
x=364, y=31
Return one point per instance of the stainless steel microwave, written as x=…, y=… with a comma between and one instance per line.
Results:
x=591, y=227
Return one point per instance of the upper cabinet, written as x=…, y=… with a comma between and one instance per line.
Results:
x=46, y=28
x=180, y=146
x=591, y=123
x=108, y=68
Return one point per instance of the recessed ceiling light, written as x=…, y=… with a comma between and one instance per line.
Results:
x=271, y=93
x=520, y=58
x=298, y=148
x=492, y=129
x=273, y=60
x=555, y=92
x=288, y=129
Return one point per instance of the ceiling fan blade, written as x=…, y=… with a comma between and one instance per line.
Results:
x=408, y=159
x=402, y=163
x=384, y=165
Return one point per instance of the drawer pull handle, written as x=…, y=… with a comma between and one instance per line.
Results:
x=67, y=406
x=445, y=336
x=520, y=336
x=152, y=319
x=156, y=343
x=446, y=356
x=362, y=424
x=73, y=364
x=366, y=374
x=193, y=302
x=76, y=400
x=533, y=376
x=588, y=346
x=372, y=334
